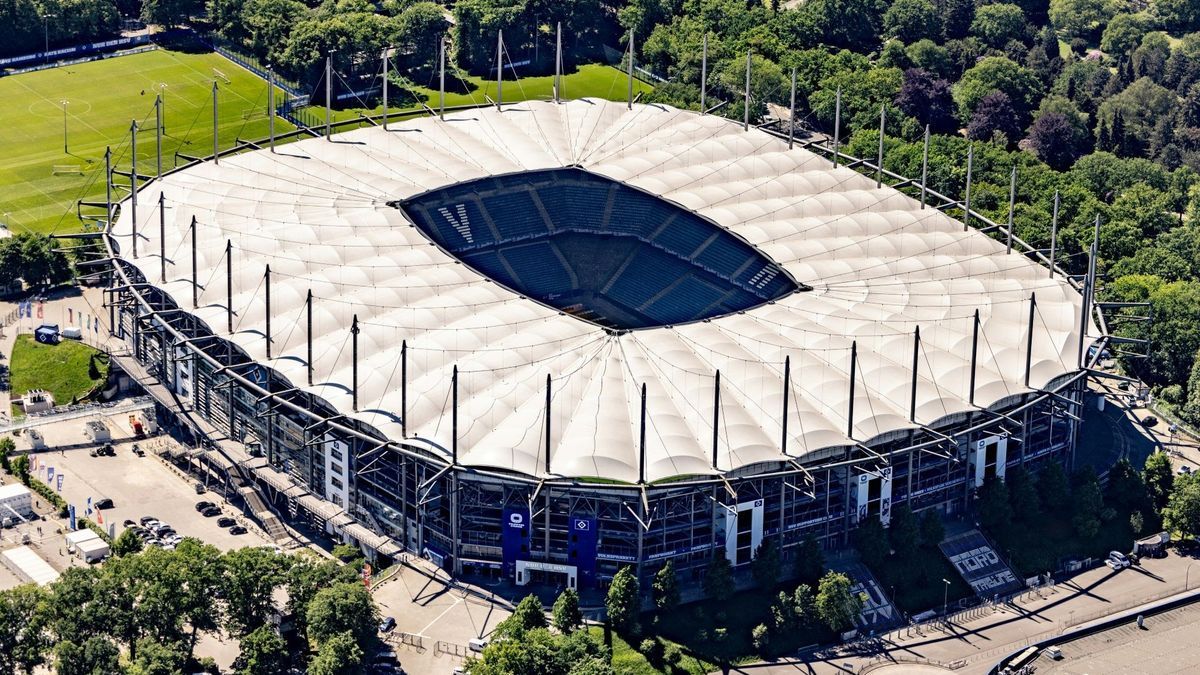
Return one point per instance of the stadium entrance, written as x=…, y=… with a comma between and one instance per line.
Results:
x=549, y=574
x=600, y=250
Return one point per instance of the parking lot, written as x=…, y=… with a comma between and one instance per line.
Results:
x=138, y=485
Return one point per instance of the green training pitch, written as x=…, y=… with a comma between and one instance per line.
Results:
x=69, y=369
x=588, y=81
x=41, y=182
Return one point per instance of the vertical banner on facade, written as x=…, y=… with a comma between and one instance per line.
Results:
x=71, y=514
x=514, y=537
x=50, y=475
x=59, y=481
x=581, y=548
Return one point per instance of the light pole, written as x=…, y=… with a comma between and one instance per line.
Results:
x=945, y=596
x=162, y=97
x=46, y=36
x=64, y=105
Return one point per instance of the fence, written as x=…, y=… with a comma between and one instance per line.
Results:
x=250, y=62
x=442, y=647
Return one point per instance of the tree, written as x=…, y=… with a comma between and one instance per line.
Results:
x=1077, y=18
x=345, y=608
x=999, y=24
x=95, y=656
x=928, y=99
x=847, y=23
x=263, y=652
x=810, y=560
x=911, y=20
x=34, y=259
x=1088, y=503
x=567, y=616
x=1159, y=478
x=23, y=635
x=871, y=541
x=155, y=657
x=904, y=532
x=718, y=579
x=339, y=655
x=527, y=616
x=836, y=605
x=991, y=503
x=1179, y=16
x=127, y=543
x=994, y=119
x=1182, y=513
x=420, y=28
x=250, y=577
x=996, y=73
x=766, y=565
x=1055, y=140
x=170, y=13
x=1123, y=34
x=346, y=552
x=666, y=587
x=1022, y=495
x=1054, y=490
x=932, y=530
x=623, y=602
x=20, y=468
x=305, y=578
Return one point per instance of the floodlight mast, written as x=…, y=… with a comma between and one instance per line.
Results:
x=499, y=68
x=328, y=94
x=558, y=63
x=385, y=87
x=216, y=153
x=133, y=184
x=629, y=106
x=271, y=105
x=158, y=132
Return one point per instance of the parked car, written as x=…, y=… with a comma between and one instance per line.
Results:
x=128, y=523
x=147, y=519
x=200, y=489
x=226, y=521
x=210, y=512
x=1117, y=560
x=1149, y=421
x=137, y=450
x=237, y=529
x=387, y=624
x=105, y=503
x=107, y=450
x=200, y=506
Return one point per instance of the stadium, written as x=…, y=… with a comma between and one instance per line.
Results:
x=544, y=341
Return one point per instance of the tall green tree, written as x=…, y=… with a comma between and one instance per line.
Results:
x=567, y=616
x=250, y=576
x=24, y=638
x=95, y=656
x=263, y=652
x=810, y=560
x=666, y=587
x=766, y=565
x=343, y=608
x=339, y=655
x=718, y=579
x=623, y=602
x=836, y=605
x=1182, y=513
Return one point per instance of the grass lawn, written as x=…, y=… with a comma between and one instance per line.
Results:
x=593, y=80
x=64, y=369
x=103, y=97
x=627, y=660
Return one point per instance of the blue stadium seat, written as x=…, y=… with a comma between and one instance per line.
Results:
x=515, y=215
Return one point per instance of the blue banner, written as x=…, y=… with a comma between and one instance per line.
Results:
x=77, y=50
x=71, y=511
x=514, y=537
x=581, y=548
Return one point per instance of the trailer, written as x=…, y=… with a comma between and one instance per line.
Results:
x=1154, y=546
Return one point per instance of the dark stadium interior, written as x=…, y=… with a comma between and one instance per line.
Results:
x=598, y=249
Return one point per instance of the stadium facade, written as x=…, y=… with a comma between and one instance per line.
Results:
x=547, y=341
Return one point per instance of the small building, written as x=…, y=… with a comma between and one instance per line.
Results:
x=78, y=537
x=35, y=401
x=93, y=550
x=29, y=566
x=97, y=431
x=18, y=498
x=36, y=440
x=46, y=333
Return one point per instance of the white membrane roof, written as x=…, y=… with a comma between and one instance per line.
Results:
x=316, y=211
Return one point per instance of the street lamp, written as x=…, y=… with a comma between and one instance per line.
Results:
x=64, y=106
x=46, y=36
x=945, y=596
x=162, y=104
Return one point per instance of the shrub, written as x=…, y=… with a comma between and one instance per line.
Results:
x=762, y=638
x=672, y=656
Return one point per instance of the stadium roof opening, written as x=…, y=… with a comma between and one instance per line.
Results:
x=597, y=249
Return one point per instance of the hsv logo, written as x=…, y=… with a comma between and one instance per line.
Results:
x=581, y=524
x=458, y=220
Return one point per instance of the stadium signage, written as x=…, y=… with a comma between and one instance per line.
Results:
x=77, y=50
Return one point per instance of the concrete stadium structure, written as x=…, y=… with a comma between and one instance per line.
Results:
x=547, y=340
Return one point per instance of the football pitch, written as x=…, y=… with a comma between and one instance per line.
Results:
x=40, y=182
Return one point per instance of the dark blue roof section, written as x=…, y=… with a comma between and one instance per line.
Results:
x=601, y=250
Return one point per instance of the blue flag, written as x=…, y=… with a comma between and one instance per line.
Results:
x=71, y=511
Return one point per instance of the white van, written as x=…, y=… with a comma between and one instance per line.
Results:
x=71, y=333
x=477, y=644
